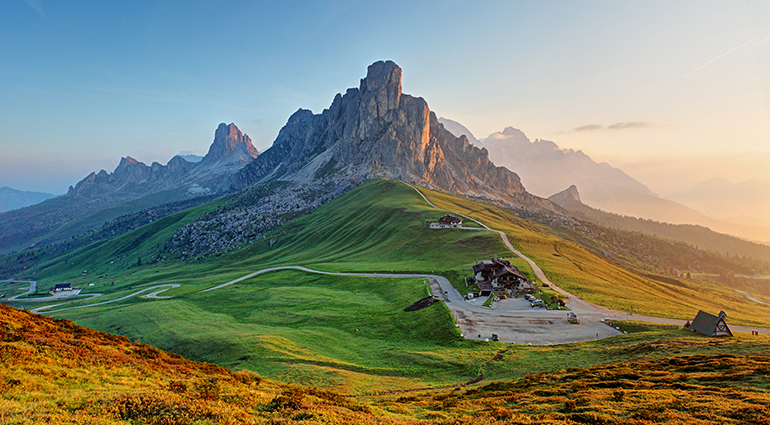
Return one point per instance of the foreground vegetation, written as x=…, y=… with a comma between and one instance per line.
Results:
x=53, y=371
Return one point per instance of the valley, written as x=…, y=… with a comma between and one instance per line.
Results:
x=312, y=283
x=300, y=327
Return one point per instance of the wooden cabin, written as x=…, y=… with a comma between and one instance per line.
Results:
x=710, y=325
x=500, y=275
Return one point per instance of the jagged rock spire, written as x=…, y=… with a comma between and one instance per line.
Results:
x=229, y=140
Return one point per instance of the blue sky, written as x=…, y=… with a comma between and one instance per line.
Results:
x=85, y=82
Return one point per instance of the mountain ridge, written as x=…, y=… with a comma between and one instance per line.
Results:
x=376, y=131
x=132, y=180
x=546, y=169
x=695, y=235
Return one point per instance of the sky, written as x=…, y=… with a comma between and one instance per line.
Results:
x=673, y=92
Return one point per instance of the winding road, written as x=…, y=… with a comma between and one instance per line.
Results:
x=513, y=320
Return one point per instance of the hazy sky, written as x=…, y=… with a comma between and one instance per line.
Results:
x=645, y=83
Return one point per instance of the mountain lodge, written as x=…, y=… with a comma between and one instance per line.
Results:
x=499, y=275
x=450, y=221
x=61, y=287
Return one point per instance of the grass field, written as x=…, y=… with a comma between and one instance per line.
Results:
x=53, y=371
x=351, y=334
x=329, y=331
x=601, y=282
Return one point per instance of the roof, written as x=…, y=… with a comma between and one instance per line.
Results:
x=499, y=268
x=482, y=266
x=63, y=285
x=710, y=325
x=450, y=219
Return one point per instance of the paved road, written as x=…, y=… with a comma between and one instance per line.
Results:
x=750, y=297
x=521, y=326
x=165, y=287
x=31, y=290
x=512, y=320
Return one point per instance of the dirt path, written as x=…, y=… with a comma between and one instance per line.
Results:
x=750, y=297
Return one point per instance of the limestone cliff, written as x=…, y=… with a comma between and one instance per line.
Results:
x=375, y=130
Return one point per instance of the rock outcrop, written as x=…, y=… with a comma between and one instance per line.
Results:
x=374, y=131
x=229, y=152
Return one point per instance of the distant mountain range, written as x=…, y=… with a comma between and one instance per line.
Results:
x=13, y=199
x=372, y=131
x=698, y=236
x=546, y=169
x=133, y=186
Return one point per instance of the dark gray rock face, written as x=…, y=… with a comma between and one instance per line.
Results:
x=377, y=131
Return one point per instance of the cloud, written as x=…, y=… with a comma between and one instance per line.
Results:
x=616, y=126
x=630, y=124
x=37, y=5
x=589, y=127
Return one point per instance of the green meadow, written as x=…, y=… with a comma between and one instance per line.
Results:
x=352, y=334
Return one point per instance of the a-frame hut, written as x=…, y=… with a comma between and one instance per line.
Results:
x=710, y=325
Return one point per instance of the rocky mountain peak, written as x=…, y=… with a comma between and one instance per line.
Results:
x=229, y=141
x=383, y=84
x=125, y=163
x=130, y=167
x=568, y=198
x=510, y=131
x=376, y=131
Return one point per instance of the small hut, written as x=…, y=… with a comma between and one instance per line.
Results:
x=710, y=325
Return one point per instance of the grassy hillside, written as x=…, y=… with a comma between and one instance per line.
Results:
x=350, y=333
x=333, y=332
x=53, y=371
x=600, y=281
x=699, y=236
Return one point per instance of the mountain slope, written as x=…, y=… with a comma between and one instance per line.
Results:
x=699, y=236
x=377, y=131
x=12, y=199
x=54, y=371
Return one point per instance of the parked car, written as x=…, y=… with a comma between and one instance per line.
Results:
x=495, y=337
x=537, y=303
